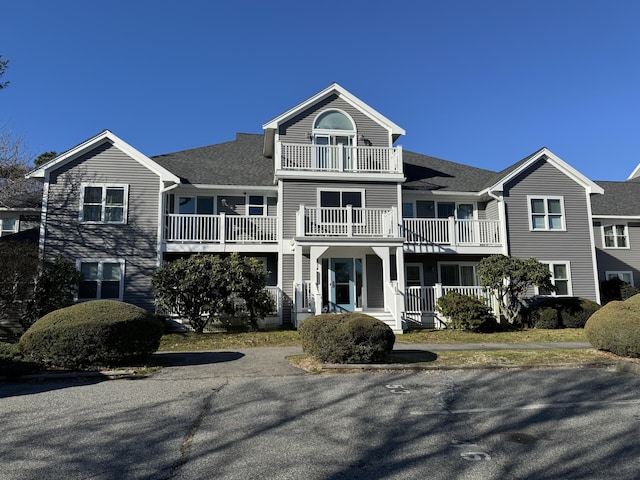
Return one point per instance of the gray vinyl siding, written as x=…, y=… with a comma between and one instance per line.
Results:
x=297, y=129
x=295, y=193
x=288, y=277
x=492, y=211
x=135, y=241
x=572, y=245
x=375, y=293
x=618, y=259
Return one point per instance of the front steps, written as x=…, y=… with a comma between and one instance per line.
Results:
x=386, y=317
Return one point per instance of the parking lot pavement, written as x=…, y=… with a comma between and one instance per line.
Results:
x=193, y=422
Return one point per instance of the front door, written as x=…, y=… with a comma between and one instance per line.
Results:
x=342, y=286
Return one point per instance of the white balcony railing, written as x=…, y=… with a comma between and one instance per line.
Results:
x=347, y=222
x=338, y=158
x=421, y=301
x=220, y=228
x=449, y=231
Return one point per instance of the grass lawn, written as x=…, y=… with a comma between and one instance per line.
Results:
x=174, y=342
x=518, y=336
x=284, y=338
x=475, y=358
x=182, y=342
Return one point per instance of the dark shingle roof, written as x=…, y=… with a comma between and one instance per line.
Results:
x=620, y=198
x=239, y=162
x=429, y=173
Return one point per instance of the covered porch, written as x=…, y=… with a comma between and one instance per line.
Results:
x=354, y=278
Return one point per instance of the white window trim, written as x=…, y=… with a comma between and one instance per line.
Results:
x=546, y=214
x=326, y=131
x=616, y=273
x=615, y=237
x=460, y=264
x=320, y=190
x=263, y=205
x=549, y=264
x=101, y=262
x=435, y=207
x=104, y=187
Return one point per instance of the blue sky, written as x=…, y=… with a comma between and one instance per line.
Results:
x=483, y=83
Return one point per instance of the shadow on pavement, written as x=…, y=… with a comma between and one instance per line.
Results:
x=413, y=356
x=183, y=359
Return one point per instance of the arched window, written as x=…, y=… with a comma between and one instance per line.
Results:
x=333, y=120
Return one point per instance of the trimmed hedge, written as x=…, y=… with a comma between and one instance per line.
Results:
x=12, y=361
x=616, y=327
x=559, y=312
x=616, y=289
x=346, y=338
x=466, y=312
x=93, y=334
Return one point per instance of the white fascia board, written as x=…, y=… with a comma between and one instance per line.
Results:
x=104, y=136
x=205, y=186
x=616, y=217
x=20, y=209
x=345, y=95
x=635, y=173
x=447, y=193
x=564, y=167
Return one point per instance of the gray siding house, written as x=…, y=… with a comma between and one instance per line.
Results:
x=341, y=216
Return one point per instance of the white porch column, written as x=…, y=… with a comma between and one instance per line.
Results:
x=385, y=256
x=297, y=279
x=400, y=269
x=315, y=275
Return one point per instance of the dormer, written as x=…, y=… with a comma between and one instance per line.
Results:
x=333, y=134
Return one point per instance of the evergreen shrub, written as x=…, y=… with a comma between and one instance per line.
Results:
x=616, y=327
x=346, y=338
x=571, y=312
x=466, y=312
x=12, y=361
x=547, y=317
x=93, y=334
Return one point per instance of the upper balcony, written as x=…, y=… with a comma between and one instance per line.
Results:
x=347, y=222
x=181, y=230
x=431, y=235
x=295, y=160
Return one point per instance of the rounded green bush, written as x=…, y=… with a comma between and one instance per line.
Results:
x=571, y=312
x=466, y=312
x=93, y=334
x=346, y=338
x=616, y=327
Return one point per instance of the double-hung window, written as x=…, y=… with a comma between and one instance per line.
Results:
x=546, y=213
x=101, y=279
x=615, y=236
x=256, y=205
x=104, y=203
x=560, y=277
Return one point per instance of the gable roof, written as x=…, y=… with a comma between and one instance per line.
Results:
x=238, y=162
x=93, y=142
x=334, y=88
x=621, y=199
x=504, y=177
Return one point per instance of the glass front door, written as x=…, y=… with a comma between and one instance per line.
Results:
x=342, y=285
